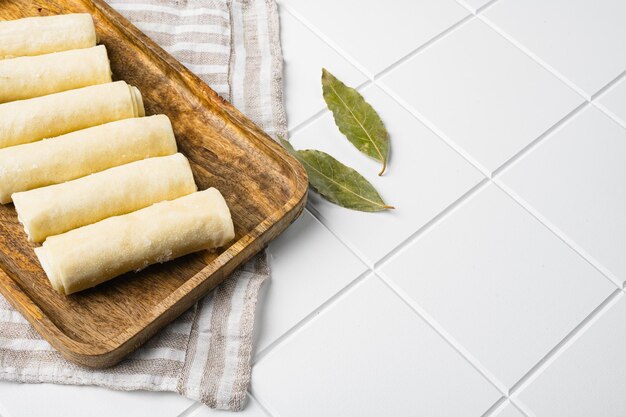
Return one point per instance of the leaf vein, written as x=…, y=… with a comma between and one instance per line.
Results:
x=357, y=120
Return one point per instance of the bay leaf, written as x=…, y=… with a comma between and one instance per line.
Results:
x=356, y=119
x=337, y=182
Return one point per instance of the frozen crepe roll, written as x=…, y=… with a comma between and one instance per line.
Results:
x=58, y=208
x=34, y=76
x=25, y=121
x=46, y=34
x=89, y=255
x=83, y=152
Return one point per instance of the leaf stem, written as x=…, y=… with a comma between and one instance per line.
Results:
x=383, y=168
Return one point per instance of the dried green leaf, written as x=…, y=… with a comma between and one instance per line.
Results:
x=336, y=182
x=356, y=119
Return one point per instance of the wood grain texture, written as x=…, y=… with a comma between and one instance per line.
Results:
x=264, y=187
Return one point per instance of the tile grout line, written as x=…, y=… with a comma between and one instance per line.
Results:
x=604, y=90
x=355, y=63
x=443, y=334
x=435, y=130
x=598, y=94
x=318, y=115
x=496, y=407
x=493, y=176
x=539, y=139
x=483, y=183
x=320, y=218
x=558, y=233
x=534, y=58
x=534, y=371
x=588, y=100
x=191, y=410
x=507, y=401
x=558, y=349
x=348, y=57
x=259, y=357
x=522, y=408
x=440, y=217
x=371, y=270
x=450, y=143
x=537, y=369
x=479, y=9
x=615, y=118
x=509, y=162
x=370, y=81
x=422, y=47
x=306, y=123
x=566, y=342
x=264, y=407
x=500, y=405
x=433, y=40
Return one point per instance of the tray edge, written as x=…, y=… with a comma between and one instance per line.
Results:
x=113, y=350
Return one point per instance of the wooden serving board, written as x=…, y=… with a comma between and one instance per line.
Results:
x=265, y=189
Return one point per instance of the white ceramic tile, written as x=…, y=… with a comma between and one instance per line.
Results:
x=308, y=266
x=508, y=411
x=304, y=56
x=28, y=400
x=423, y=177
x=473, y=5
x=584, y=40
x=575, y=179
x=614, y=101
x=499, y=283
x=587, y=379
x=253, y=409
x=376, y=33
x=482, y=92
x=369, y=355
x=3, y=411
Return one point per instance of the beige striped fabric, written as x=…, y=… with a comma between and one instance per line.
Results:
x=233, y=45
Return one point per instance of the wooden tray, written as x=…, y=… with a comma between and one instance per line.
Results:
x=265, y=189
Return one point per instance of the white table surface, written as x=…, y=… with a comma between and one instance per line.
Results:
x=496, y=287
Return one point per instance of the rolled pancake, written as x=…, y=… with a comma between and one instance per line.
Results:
x=55, y=209
x=34, y=76
x=25, y=121
x=83, y=152
x=46, y=34
x=90, y=255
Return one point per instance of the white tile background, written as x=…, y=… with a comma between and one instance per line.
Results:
x=496, y=287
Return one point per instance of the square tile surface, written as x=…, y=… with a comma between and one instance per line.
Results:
x=369, y=355
x=293, y=292
x=587, y=379
x=303, y=71
x=473, y=5
x=584, y=40
x=483, y=93
x=489, y=274
x=374, y=33
x=614, y=101
x=509, y=411
x=423, y=177
x=575, y=180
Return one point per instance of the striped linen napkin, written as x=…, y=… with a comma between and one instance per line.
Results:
x=234, y=46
